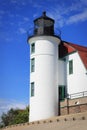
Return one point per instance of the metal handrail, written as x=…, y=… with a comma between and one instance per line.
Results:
x=77, y=95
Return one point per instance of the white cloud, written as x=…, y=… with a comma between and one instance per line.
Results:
x=24, y=3
x=84, y=2
x=26, y=19
x=35, y=15
x=6, y=105
x=65, y=14
x=22, y=30
x=77, y=17
x=14, y=1
x=2, y=12
x=8, y=39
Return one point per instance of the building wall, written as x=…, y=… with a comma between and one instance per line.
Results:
x=44, y=103
x=71, y=106
x=62, y=70
x=76, y=82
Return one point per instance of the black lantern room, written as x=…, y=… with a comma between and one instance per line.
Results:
x=44, y=25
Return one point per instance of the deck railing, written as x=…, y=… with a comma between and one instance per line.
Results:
x=77, y=95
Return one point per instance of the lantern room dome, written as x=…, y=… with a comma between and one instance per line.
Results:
x=44, y=25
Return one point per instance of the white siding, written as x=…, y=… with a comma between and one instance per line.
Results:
x=44, y=104
x=76, y=82
x=62, y=77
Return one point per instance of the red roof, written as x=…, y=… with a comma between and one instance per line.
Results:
x=67, y=48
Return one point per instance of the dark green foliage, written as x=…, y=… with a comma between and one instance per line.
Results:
x=15, y=116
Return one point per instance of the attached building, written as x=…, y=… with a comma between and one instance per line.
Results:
x=73, y=69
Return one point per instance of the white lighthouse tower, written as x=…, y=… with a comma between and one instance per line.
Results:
x=43, y=69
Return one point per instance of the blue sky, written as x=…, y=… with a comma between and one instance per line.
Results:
x=16, y=23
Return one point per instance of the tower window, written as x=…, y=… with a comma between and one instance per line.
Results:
x=32, y=89
x=32, y=48
x=71, y=67
x=61, y=92
x=32, y=64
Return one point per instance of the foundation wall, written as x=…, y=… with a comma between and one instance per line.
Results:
x=71, y=106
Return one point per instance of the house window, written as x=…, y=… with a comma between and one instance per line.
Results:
x=32, y=64
x=32, y=48
x=61, y=93
x=71, y=67
x=32, y=89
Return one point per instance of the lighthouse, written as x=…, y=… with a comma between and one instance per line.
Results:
x=43, y=69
